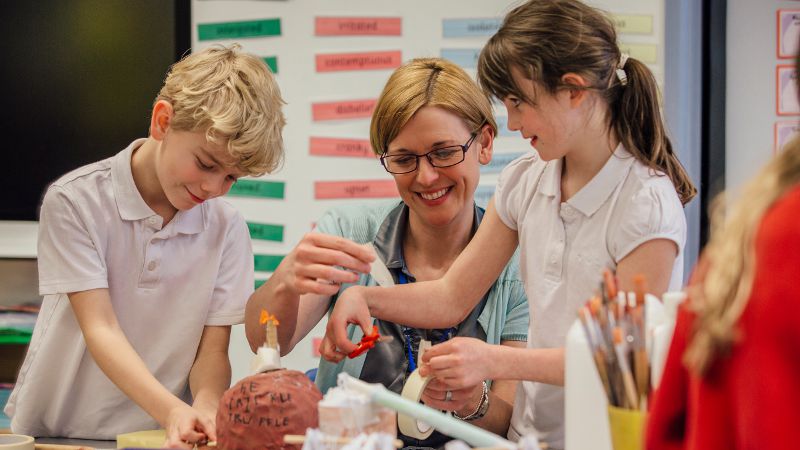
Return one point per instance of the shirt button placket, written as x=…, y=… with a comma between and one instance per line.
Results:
x=152, y=257
x=556, y=250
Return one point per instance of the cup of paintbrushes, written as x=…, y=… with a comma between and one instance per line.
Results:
x=627, y=428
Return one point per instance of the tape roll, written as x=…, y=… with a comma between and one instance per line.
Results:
x=412, y=390
x=16, y=442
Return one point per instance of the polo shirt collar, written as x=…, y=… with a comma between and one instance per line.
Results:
x=599, y=189
x=389, y=239
x=191, y=221
x=131, y=205
x=550, y=184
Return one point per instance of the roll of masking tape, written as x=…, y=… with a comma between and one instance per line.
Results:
x=142, y=439
x=412, y=390
x=16, y=442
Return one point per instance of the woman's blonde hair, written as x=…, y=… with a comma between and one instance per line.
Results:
x=719, y=298
x=427, y=82
x=546, y=39
x=234, y=98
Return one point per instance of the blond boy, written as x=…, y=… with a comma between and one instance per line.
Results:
x=143, y=270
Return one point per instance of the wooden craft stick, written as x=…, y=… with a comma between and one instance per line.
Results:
x=60, y=447
x=340, y=440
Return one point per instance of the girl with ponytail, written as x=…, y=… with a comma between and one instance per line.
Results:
x=601, y=187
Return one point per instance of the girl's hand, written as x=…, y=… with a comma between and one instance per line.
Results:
x=187, y=426
x=462, y=401
x=460, y=363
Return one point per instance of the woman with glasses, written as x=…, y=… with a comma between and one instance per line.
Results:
x=432, y=128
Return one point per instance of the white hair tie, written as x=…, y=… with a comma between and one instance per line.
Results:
x=621, y=75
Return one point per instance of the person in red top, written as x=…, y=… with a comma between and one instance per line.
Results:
x=732, y=376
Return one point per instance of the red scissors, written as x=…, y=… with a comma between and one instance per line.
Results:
x=368, y=341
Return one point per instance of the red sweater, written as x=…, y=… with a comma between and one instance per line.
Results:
x=751, y=398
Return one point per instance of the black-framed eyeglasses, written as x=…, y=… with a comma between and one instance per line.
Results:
x=438, y=157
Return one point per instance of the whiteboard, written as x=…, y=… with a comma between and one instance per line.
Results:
x=295, y=49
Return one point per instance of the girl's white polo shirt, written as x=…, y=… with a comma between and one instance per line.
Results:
x=564, y=247
x=166, y=284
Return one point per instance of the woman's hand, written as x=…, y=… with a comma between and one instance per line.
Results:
x=329, y=352
x=462, y=401
x=321, y=262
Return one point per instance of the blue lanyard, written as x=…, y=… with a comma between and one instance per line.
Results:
x=408, y=332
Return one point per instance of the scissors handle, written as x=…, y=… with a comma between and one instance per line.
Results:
x=367, y=342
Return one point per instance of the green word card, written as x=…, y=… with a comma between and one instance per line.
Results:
x=258, y=188
x=267, y=263
x=265, y=231
x=237, y=30
x=272, y=63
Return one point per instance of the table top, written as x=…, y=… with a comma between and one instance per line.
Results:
x=78, y=442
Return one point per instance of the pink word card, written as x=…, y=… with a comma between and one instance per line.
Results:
x=355, y=189
x=326, y=146
x=339, y=62
x=357, y=26
x=350, y=109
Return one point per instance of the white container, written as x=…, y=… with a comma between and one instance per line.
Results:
x=662, y=335
x=586, y=406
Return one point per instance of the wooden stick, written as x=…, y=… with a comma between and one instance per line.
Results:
x=60, y=447
x=339, y=440
x=542, y=446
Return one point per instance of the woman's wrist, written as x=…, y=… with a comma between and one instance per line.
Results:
x=479, y=410
x=470, y=406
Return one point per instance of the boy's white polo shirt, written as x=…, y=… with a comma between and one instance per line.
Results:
x=166, y=284
x=564, y=248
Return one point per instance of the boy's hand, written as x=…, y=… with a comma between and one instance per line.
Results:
x=460, y=363
x=321, y=262
x=351, y=307
x=187, y=426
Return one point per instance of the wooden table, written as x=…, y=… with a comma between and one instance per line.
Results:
x=72, y=444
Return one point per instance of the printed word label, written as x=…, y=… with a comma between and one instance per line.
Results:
x=237, y=30
x=323, y=146
x=339, y=62
x=464, y=57
x=633, y=23
x=258, y=188
x=355, y=189
x=352, y=109
x=357, y=26
x=454, y=28
x=265, y=231
x=267, y=263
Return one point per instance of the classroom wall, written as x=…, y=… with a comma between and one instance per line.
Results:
x=313, y=183
x=290, y=206
x=756, y=115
